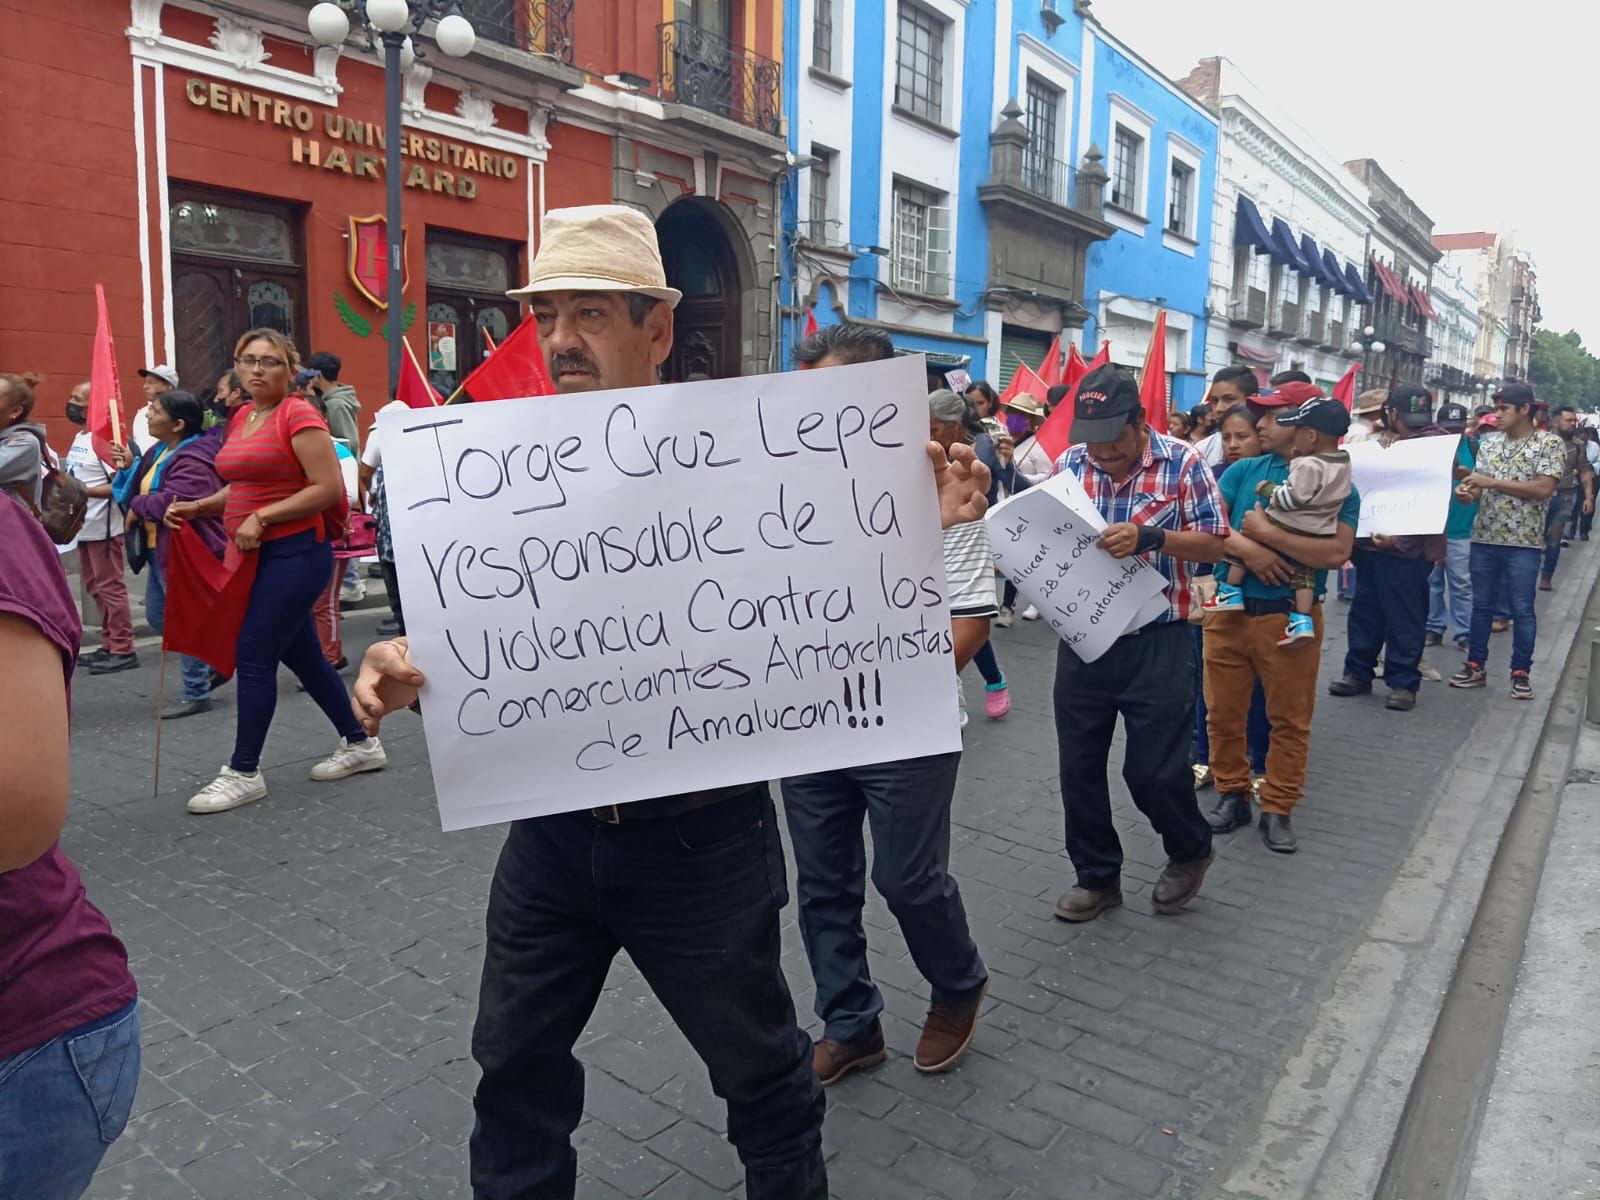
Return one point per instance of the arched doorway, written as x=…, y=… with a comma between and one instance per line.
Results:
x=700, y=262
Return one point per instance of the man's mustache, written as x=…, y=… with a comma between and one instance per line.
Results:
x=573, y=360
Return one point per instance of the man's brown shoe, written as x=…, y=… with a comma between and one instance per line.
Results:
x=1178, y=884
x=947, y=1032
x=833, y=1060
x=1083, y=904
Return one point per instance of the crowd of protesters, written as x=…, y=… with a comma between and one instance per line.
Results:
x=1245, y=509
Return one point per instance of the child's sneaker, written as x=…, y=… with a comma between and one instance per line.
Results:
x=1521, y=686
x=1299, y=628
x=1229, y=598
x=1470, y=676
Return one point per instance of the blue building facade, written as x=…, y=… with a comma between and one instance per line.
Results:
x=943, y=185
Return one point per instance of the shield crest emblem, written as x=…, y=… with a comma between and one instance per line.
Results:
x=368, y=242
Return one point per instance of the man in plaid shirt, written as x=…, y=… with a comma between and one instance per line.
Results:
x=1160, y=501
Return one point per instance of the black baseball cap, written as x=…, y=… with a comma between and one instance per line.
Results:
x=1483, y=410
x=1452, y=417
x=1519, y=394
x=1106, y=399
x=1324, y=415
x=1413, y=404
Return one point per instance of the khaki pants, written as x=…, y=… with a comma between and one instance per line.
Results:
x=1239, y=649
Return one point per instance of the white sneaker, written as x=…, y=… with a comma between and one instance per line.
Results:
x=1004, y=619
x=1030, y=613
x=351, y=759
x=352, y=595
x=228, y=790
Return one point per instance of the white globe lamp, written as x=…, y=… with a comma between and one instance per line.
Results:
x=328, y=23
x=388, y=16
x=1378, y=347
x=455, y=35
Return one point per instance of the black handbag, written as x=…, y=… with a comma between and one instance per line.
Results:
x=140, y=551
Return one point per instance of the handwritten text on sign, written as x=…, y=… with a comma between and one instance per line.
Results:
x=1406, y=488
x=1044, y=540
x=647, y=592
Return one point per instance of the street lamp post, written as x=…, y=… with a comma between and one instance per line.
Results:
x=1368, y=343
x=393, y=22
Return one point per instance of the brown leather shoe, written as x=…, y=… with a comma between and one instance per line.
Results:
x=1083, y=904
x=947, y=1032
x=833, y=1060
x=1179, y=883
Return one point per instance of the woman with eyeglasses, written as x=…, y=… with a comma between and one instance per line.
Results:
x=282, y=477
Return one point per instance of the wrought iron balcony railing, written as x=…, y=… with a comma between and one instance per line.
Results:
x=1049, y=179
x=706, y=71
x=542, y=27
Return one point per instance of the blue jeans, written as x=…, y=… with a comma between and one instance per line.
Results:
x=907, y=805
x=1450, y=591
x=195, y=674
x=1258, y=730
x=63, y=1103
x=1555, y=526
x=351, y=576
x=694, y=900
x=1509, y=574
x=292, y=572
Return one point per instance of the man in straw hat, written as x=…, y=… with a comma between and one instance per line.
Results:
x=572, y=889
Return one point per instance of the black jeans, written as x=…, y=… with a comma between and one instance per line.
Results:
x=907, y=804
x=1148, y=679
x=694, y=900
x=1389, y=614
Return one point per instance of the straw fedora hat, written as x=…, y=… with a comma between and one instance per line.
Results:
x=598, y=248
x=1371, y=400
x=1027, y=403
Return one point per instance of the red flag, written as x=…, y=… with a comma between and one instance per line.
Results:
x=415, y=390
x=1345, y=390
x=1055, y=435
x=488, y=341
x=516, y=369
x=105, y=390
x=1050, y=371
x=1024, y=381
x=206, y=599
x=811, y=322
x=1153, y=379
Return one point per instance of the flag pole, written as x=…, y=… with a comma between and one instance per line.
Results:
x=161, y=689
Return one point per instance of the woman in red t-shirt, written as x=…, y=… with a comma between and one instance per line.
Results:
x=282, y=477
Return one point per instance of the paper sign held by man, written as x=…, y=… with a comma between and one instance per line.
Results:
x=1044, y=540
x=659, y=590
x=1405, y=488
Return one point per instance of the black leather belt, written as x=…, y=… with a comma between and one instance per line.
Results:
x=1268, y=608
x=660, y=808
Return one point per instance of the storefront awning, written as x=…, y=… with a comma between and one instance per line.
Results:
x=1312, y=253
x=1248, y=227
x=1283, y=247
x=1424, y=305
x=1390, y=282
x=1336, y=276
x=1358, y=286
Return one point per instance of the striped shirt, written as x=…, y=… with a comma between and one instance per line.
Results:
x=261, y=468
x=969, y=570
x=1171, y=488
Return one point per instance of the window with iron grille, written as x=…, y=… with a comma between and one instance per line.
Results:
x=1125, y=170
x=1043, y=121
x=821, y=193
x=921, y=260
x=822, y=36
x=1180, y=197
x=919, y=79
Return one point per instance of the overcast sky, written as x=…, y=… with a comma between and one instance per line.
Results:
x=1485, y=113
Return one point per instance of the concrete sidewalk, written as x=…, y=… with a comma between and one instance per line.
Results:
x=1541, y=1129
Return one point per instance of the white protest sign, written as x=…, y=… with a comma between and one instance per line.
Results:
x=1405, y=489
x=647, y=592
x=1044, y=540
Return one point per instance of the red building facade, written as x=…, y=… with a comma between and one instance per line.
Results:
x=215, y=172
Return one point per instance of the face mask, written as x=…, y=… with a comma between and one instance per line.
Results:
x=78, y=416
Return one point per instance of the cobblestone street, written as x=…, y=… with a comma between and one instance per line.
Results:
x=309, y=966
